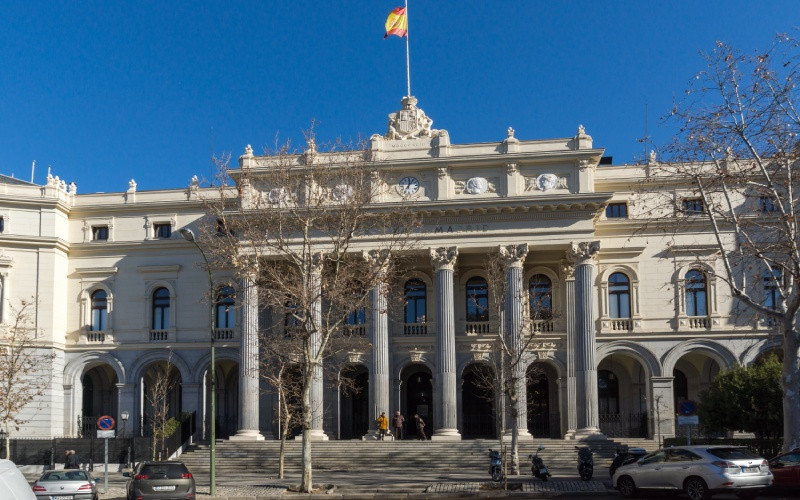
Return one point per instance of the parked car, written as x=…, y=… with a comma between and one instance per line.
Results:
x=161, y=481
x=786, y=470
x=65, y=485
x=13, y=485
x=699, y=471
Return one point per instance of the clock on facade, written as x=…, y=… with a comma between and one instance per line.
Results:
x=408, y=185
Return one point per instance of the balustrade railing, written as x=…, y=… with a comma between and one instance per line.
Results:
x=95, y=336
x=699, y=322
x=542, y=326
x=415, y=328
x=159, y=335
x=224, y=333
x=477, y=327
x=355, y=330
x=621, y=325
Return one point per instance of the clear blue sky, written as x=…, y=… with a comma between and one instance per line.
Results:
x=106, y=91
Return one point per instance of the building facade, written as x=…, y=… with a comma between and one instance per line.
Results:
x=630, y=318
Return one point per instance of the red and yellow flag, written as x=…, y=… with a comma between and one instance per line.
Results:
x=397, y=23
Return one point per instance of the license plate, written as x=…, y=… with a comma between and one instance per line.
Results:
x=62, y=497
x=750, y=469
x=164, y=488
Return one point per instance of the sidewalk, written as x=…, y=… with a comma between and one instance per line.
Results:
x=366, y=485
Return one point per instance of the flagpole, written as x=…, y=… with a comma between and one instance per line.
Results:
x=408, y=64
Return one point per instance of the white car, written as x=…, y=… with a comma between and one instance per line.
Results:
x=13, y=485
x=699, y=471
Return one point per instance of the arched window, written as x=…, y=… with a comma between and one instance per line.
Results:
x=99, y=311
x=416, y=301
x=607, y=392
x=619, y=296
x=477, y=299
x=696, y=302
x=161, y=309
x=772, y=294
x=226, y=313
x=540, y=289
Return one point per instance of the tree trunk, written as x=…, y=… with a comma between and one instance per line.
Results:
x=306, y=484
x=8, y=441
x=791, y=389
x=514, y=439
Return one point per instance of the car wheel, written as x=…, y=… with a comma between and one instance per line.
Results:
x=696, y=489
x=626, y=487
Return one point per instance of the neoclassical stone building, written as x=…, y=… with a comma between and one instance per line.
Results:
x=631, y=319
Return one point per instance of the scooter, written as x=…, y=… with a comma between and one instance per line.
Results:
x=538, y=467
x=495, y=468
x=585, y=462
x=625, y=456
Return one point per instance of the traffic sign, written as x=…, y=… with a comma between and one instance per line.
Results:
x=687, y=408
x=106, y=434
x=688, y=420
x=106, y=423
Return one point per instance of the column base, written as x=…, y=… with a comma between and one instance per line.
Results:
x=589, y=433
x=522, y=435
x=570, y=434
x=247, y=435
x=316, y=435
x=446, y=435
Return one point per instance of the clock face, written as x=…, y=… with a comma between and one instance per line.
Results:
x=409, y=185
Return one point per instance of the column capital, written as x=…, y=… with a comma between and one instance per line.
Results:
x=378, y=259
x=513, y=255
x=444, y=258
x=568, y=269
x=583, y=252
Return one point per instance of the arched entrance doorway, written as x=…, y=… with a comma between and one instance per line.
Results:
x=160, y=396
x=227, y=423
x=693, y=373
x=353, y=402
x=622, y=397
x=478, y=402
x=99, y=385
x=417, y=395
x=543, y=415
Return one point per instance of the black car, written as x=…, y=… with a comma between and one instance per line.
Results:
x=160, y=480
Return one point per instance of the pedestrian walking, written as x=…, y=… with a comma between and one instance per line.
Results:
x=383, y=425
x=71, y=460
x=420, y=427
x=397, y=424
x=76, y=460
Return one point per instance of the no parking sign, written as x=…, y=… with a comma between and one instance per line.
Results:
x=106, y=423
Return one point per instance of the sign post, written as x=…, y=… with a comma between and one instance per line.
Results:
x=688, y=417
x=105, y=430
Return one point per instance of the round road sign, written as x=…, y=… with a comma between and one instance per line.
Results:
x=106, y=423
x=687, y=407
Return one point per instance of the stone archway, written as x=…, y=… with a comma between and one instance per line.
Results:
x=542, y=397
x=354, y=402
x=478, y=415
x=417, y=397
x=160, y=389
x=623, y=393
x=99, y=397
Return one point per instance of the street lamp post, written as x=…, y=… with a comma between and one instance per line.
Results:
x=188, y=235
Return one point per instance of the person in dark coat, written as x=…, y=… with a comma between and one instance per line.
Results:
x=397, y=425
x=420, y=427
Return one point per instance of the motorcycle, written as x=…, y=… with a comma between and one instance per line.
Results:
x=495, y=468
x=585, y=462
x=625, y=456
x=538, y=467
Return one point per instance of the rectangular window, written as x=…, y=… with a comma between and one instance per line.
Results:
x=99, y=233
x=767, y=205
x=162, y=231
x=693, y=205
x=617, y=211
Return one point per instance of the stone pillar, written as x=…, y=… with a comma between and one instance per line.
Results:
x=379, y=337
x=248, y=365
x=583, y=255
x=317, y=433
x=446, y=412
x=662, y=408
x=569, y=408
x=191, y=400
x=514, y=310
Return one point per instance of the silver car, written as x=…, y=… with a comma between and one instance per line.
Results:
x=65, y=485
x=699, y=471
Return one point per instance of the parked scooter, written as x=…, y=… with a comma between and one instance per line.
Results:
x=538, y=467
x=495, y=467
x=585, y=462
x=625, y=456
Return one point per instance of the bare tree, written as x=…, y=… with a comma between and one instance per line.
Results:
x=504, y=372
x=301, y=232
x=159, y=391
x=21, y=360
x=734, y=171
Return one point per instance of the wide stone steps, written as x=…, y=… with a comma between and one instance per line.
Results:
x=359, y=455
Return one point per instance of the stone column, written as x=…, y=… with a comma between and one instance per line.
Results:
x=379, y=337
x=662, y=408
x=569, y=408
x=445, y=413
x=191, y=400
x=248, y=365
x=317, y=433
x=583, y=255
x=126, y=401
x=514, y=324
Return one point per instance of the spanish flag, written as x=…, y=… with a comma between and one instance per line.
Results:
x=397, y=23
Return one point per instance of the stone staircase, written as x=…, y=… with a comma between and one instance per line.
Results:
x=236, y=457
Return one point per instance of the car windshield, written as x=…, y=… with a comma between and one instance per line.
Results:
x=73, y=475
x=163, y=471
x=733, y=453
